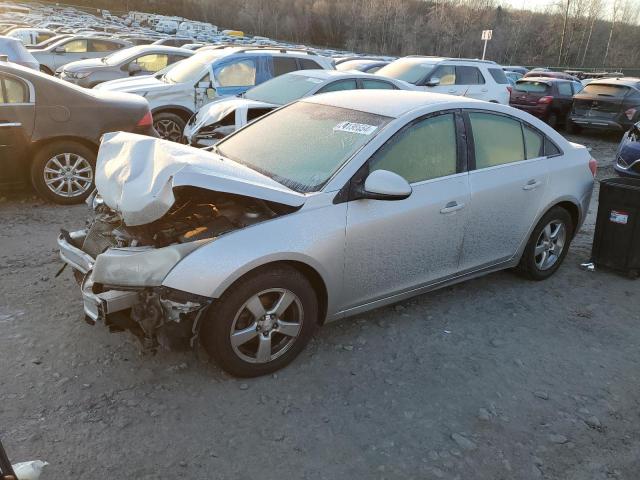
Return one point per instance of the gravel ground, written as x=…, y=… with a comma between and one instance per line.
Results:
x=496, y=378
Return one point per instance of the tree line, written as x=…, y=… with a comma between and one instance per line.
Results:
x=571, y=33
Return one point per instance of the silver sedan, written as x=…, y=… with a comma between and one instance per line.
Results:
x=325, y=208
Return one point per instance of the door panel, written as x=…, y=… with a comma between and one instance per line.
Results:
x=446, y=74
x=395, y=246
x=506, y=190
x=16, y=126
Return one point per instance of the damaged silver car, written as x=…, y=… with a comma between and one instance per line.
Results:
x=324, y=208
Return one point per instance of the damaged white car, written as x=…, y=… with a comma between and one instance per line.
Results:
x=216, y=120
x=330, y=206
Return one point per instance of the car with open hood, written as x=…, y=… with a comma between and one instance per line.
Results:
x=212, y=73
x=127, y=63
x=218, y=119
x=329, y=206
x=50, y=131
x=628, y=153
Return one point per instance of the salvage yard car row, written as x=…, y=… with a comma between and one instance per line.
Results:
x=319, y=193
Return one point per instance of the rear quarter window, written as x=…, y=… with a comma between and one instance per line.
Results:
x=306, y=64
x=499, y=76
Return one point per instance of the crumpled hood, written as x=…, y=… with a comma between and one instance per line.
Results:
x=135, y=175
x=133, y=85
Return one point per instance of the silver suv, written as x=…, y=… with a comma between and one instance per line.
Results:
x=479, y=79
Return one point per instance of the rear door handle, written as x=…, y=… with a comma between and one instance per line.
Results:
x=451, y=207
x=10, y=124
x=531, y=185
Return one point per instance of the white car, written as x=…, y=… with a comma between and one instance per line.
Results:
x=220, y=118
x=479, y=79
x=210, y=74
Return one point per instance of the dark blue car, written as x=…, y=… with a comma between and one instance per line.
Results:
x=628, y=154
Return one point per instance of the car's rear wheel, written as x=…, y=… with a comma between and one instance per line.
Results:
x=552, y=120
x=169, y=126
x=262, y=322
x=63, y=172
x=548, y=245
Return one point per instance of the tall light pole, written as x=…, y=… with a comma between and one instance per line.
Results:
x=564, y=32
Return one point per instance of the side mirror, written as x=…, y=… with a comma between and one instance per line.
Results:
x=433, y=82
x=59, y=50
x=211, y=93
x=386, y=185
x=134, y=68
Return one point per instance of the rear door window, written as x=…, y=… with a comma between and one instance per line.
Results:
x=339, y=85
x=499, y=76
x=13, y=91
x=152, y=63
x=103, y=46
x=282, y=65
x=533, y=142
x=468, y=76
x=564, y=88
x=377, y=85
x=306, y=64
x=75, y=46
x=497, y=139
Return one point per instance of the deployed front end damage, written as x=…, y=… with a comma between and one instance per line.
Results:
x=148, y=221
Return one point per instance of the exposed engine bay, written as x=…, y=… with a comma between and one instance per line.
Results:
x=112, y=292
x=197, y=214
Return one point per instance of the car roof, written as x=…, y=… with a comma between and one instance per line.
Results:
x=433, y=59
x=159, y=48
x=624, y=81
x=389, y=103
x=327, y=74
x=543, y=78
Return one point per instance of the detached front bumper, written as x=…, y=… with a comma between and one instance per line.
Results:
x=96, y=305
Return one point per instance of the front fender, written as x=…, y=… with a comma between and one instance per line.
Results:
x=313, y=236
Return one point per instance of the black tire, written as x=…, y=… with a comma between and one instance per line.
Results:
x=529, y=265
x=221, y=319
x=169, y=126
x=78, y=154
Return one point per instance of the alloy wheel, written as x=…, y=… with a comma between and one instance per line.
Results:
x=550, y=244
x=68, y=175
x=267, y=325
x=169, y=130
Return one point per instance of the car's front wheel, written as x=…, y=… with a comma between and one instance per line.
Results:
x=262, y=322
x=169, y=126
x=63, y=172
x=548, y=245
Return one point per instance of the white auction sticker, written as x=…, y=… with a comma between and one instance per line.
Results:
x=618, y=217
x=361, y=128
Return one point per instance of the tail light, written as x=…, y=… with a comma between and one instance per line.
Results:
x=630, y=113
x=593, y=166
x=545, y=100
x=145, y=121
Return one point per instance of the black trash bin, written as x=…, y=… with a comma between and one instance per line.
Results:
x=616, y=243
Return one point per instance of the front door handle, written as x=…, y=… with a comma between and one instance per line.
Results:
x=451, y=207
x=10, y=124
x=531, y=185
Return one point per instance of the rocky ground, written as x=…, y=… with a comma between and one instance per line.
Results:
x=496, y=378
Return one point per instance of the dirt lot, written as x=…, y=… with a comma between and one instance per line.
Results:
x=497, y=378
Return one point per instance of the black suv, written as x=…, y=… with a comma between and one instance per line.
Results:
x=608, y=104
x=50, y=131
x=549, y=99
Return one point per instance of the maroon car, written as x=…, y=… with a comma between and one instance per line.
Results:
x=549, y=99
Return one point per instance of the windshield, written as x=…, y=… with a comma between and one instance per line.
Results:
x=303, y=144
x=410, y=70
x=191, y=69
x=532, y=87
x=605, y=90
x=120, y=56
x=283, y=89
